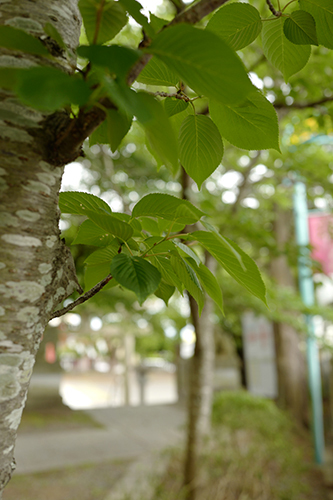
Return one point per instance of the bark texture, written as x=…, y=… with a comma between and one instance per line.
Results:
x=200, y=388
x=36, y=268
x=291, y=364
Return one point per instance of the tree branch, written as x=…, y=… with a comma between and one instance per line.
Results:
x=303, y=105
x=196, y=12
x=271, y=8
x=82, y=298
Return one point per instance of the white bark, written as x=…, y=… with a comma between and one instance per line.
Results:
x=37, y=271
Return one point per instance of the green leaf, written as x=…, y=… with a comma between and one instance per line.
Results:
x=157, y=23
x=200, y=147
x=75, y=202
x=190, y=280
x=167, y=207
x=136, y=274
x=247, y=275
x=322, y=11
x=112, y=19
x=117, y=59
x=52, y=32
x=159, y=131
x=156, y=244
x=284, y=55
x=188, y=251
x=238, y=24
x=164, y=266
x=209, y=283
x=105, y=254
x=15, y=39
x=174, y=106
x=204, y=61
x=49, y=89
x=112, y=130
x=165, y=291
x=111, y=224
x=300, y=28
x=177, y=120
x=90, y=234
x=133, y=8
x=157, y=73
x=95, y=274
x=250, y=125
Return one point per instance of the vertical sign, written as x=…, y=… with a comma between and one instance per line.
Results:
x=259, y=353
x=321, y=239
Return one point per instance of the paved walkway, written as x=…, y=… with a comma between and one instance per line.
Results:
x=129, y=433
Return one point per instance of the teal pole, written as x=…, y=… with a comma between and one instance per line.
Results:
x=308, y=297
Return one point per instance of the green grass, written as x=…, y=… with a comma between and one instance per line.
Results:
x=255, y=452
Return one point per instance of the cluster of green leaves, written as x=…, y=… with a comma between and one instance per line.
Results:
x=203, y=59
x=146, y=252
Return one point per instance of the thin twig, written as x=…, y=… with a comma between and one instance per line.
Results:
x=82, y=298
x=181, y=97
x=272, y=9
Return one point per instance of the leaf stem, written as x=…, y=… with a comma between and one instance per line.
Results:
x=284, y=8
x=83, y=298
x=144, y=254
x=128, y=248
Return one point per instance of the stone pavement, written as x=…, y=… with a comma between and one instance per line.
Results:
x=128, y=433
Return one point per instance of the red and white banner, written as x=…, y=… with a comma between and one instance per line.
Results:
x=321, y=239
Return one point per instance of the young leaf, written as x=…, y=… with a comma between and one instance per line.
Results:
x=105, y=254
x=165, y=291
x=177, y=120
x=238, y=24
x=90, y=234
x=174, y=106
x=190, y=280
x=111, y=224
x=111, y=17
x=75, y=202
x=52, y=32
x=15, y=39
x=117, y=59
x=134, y=9
x=209, y=283
x=49, y=89
x=284, y=55
x=188, y=251
x=167, y=207
x=200, y=147
x=204, y=61
x=112, y=130
x=300, y=28
x=164, y=266
x=157, y=73
x=322, y=11
x=136, y=274
x=250, y=125
x=248, y=276
x=95, y=274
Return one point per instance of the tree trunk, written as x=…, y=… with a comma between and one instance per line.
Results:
x=291, y=364
x=200, y=388
x=37, y=270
